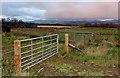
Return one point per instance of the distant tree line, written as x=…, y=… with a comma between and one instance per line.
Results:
x=101, y=25
x=8, y=23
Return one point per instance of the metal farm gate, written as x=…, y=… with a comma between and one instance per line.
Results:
x=29, y=52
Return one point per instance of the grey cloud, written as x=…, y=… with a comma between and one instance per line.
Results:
x=23, y=10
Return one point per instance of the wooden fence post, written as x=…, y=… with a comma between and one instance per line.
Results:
x=66, y=43
x=17, y=56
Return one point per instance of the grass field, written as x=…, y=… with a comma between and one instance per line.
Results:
x=94, y=30
x=100, y=57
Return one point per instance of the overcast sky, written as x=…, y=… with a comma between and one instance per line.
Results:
x=60, y=10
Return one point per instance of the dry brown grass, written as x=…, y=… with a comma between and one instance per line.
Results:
x=47, y=26
x=97, y=51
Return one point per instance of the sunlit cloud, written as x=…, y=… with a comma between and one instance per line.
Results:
x=83, y=10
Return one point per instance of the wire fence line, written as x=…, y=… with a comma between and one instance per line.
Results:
x=76, y=37
x=36, y=50
x=7, y=50
x=7, y=59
